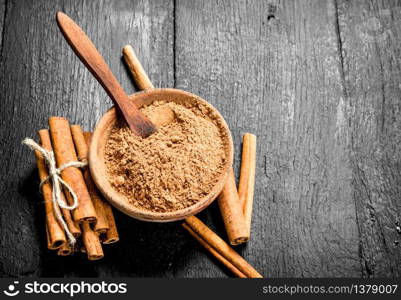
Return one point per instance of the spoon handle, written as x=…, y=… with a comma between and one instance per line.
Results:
x=88, y=54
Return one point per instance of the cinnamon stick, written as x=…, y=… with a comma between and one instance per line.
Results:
x=64, y=152
x=46, y=144
x=247, y=177
x=231, y=210
x=91, y=241
x=216, y=254
x=140, y=77
x=64, y=250
x=50, y=245
x=55, y=232
x=111, y=236
x=221, y=247
x=81, y=147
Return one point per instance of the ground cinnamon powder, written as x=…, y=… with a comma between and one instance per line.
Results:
x=173, y=168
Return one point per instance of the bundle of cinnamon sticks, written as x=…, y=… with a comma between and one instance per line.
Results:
x=92, y=221
x=236, y=209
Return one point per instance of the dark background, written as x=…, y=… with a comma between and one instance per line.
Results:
x=317, y=81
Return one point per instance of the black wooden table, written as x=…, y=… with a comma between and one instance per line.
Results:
x=318, y=82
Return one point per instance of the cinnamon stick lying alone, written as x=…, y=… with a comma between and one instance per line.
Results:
x=55, y=233
x=232, y=213
x=64, y=152
x=221, y=247
x=247, y=177
x=81, y=147
x=216, y=254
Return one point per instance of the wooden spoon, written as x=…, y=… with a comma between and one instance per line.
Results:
x=88, y=54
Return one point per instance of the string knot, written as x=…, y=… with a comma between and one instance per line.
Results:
x=57, y=183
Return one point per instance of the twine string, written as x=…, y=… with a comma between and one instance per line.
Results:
x=57, y=183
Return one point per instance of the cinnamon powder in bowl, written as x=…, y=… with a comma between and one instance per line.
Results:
x=175, y=167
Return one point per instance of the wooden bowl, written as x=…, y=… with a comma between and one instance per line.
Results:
x=98, y=167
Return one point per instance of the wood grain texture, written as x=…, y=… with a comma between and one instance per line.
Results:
x=41, y=76
x=2, y=20
x=370, y=41
x=274, y=70
x=316, y=81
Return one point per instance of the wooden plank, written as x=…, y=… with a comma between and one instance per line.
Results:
x=41, y=76
x=274, y=69
x=2, y=20
x=321, y=95
x=370, y=40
